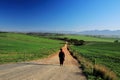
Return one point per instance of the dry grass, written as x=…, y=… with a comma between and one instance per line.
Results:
x=96, y=70
x=104, y=72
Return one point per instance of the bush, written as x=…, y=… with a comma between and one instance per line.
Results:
x=116, y=41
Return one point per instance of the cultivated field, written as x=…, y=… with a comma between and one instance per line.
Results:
x=88, y=38
x=102, y=53
x=16, y=47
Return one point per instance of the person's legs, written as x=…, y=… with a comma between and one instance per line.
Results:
x=61, y=61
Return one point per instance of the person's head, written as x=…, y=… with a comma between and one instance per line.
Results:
x=60, y=49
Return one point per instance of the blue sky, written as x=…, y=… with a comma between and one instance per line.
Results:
x=59, y=15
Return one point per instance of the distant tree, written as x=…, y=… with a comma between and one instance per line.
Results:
x=116, y=41
x=65, y=39
x=73, y=41
x=79, y=42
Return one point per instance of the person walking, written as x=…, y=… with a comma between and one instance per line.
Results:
x=61, y=57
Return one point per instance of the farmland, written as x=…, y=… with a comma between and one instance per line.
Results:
x=105, y=53
x=98, y=53
x=88, y=38
x=16, y=47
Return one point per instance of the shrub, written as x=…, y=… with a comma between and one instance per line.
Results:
x=116, y=41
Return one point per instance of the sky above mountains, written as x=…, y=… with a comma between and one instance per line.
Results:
x=59, y=15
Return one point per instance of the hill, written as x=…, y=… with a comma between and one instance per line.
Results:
x=101, y=32
x=19, y=47
x=88, y=38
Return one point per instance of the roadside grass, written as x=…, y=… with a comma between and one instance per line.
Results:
x=16, y=47
x=104, y=57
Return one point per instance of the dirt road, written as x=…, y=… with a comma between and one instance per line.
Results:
x=44, y=69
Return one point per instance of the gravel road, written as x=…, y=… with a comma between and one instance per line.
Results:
x=43, y=69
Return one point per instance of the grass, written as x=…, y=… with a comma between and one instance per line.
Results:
x=88, y=38
x=16, y=47
x=102, y=53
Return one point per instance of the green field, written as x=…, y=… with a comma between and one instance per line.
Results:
x=88, y=38
x=16, y=47
x=105, y=53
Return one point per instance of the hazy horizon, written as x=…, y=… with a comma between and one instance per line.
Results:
x=59, y=15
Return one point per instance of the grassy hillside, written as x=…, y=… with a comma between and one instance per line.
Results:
x=88, y=38
x=18, y=47
x=105, y=53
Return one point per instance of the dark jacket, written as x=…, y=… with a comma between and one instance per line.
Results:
x=61, y=55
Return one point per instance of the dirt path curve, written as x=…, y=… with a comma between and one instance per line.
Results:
x=43, y=69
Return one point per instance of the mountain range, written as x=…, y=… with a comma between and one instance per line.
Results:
x=100, y=32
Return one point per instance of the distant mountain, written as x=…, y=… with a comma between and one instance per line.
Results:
x=100, y=32
x=63, y=32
